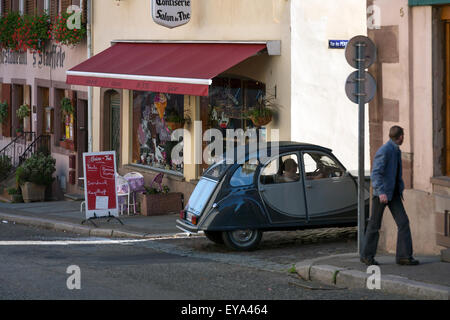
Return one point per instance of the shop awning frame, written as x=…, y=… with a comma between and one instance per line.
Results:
x=142, y=68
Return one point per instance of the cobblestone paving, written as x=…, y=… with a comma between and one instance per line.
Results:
x=278, y=251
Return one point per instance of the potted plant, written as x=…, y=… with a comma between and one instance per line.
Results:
x=22, y=113
x=67, y=111
x=34, y=175
x=66, y=107
x=262, y=111
x=159, y=201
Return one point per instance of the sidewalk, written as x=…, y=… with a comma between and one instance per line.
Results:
x=66, y=216
x=429, y=280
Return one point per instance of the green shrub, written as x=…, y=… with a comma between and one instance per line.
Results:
x=5, y=166
x=12, y=191
x=39, y=169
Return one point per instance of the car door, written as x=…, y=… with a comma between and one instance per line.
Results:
x=331, y=193
x=281, y=188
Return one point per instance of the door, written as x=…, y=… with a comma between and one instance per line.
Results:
x=115, y=126
x=330, y=191
x=281, y=188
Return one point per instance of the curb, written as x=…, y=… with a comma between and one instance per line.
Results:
x=71, y=227
x=340, y=277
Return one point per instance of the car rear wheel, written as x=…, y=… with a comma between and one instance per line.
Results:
x=242, y=240
x=214, y=236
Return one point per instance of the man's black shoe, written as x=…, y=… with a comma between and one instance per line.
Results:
x=408, y=262
x=369, y=262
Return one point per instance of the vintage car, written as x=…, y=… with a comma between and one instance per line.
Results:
x=302, y=186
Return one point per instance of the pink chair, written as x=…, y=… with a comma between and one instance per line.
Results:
x=158, y=180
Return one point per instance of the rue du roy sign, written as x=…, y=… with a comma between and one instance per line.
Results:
x=171, y=13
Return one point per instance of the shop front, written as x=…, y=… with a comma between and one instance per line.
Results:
x=183, y=86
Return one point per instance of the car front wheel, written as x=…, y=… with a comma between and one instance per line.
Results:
x=242, y=240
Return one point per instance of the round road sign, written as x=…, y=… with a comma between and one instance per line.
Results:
x=370, y=87
x=369, y=51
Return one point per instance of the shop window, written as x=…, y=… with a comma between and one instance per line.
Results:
x=152, y=128
x=229, y=99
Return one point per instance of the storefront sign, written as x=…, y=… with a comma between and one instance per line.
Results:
x=53, y=57
x=171, y=13
x=100, y=184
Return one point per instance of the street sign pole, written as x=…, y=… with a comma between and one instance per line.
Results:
x=360, y=91
x=360, y=88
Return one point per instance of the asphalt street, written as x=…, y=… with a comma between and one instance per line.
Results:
x=35, y=264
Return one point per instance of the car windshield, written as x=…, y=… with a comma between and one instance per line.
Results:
x=200, y=196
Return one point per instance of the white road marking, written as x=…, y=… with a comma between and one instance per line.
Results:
x=91, y=242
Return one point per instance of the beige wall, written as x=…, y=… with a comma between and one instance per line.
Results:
x=219, y=20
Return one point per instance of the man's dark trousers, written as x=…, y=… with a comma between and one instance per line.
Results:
x=404, y=240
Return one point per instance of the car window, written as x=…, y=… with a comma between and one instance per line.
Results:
x=243, y=176
x=321, y=166
x=281, y=170
x=216, y=171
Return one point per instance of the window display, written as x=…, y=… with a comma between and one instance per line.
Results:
x=155, y=116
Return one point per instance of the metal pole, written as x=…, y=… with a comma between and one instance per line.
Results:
x=361, y=103
x=89, y=54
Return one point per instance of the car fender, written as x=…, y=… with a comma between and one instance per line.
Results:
x=236, y=212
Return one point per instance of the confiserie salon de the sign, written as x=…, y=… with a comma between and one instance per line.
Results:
x=171, y=13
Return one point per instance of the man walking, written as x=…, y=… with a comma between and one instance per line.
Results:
x=388, y=189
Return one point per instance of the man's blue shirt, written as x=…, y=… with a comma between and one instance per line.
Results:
x=384, y=170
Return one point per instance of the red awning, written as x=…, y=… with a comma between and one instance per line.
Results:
x=178, y=68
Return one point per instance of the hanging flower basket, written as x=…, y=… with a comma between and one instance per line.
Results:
x=63, y=35
x=260, y=121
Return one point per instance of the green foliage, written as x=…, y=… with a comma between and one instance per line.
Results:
x=66, y=106
x=165, y=190
x=5, y=166
x=174, y=117
x=39, y=169
x=3, y=111
x=12, y=191
x=23, y=112
x=9, y=24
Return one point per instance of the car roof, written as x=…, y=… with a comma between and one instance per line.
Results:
x=283, y=147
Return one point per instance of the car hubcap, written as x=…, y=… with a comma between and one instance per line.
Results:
x=242, y=236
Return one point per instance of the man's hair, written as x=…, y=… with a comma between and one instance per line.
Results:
x=395, y=132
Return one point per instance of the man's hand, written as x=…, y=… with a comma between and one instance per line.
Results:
x=383, y=198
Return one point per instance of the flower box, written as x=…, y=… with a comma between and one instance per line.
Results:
x=160, y=203
x=67, y=144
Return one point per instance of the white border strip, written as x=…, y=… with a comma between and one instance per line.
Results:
x=206, y=82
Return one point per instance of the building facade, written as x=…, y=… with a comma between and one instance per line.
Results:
x=38, y=79
x=294, y=67
x=412, y=73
